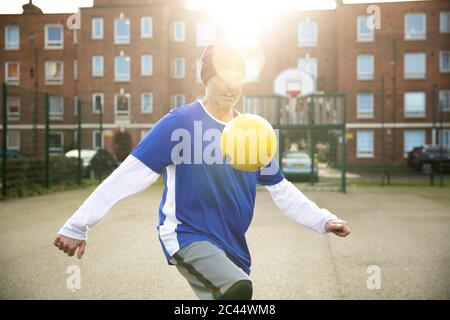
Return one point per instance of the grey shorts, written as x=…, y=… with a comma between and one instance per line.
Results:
x=207, y=269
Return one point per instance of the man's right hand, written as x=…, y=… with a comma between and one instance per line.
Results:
x=70, y=245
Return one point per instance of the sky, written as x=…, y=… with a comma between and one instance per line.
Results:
x=66, y=6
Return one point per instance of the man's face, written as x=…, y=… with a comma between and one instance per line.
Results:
x=225, y=88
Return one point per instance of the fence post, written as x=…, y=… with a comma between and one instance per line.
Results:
x=5, y=140
x=80, y=163
x=101, y=139
x=47, y=138
x=344, y=148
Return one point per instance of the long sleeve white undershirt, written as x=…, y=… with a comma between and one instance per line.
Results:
x=132, y=176
x=293, y=203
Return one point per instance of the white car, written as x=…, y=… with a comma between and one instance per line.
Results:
x=298, y=164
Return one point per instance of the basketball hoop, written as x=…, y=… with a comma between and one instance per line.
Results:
x=293, y=87
x=293, y=82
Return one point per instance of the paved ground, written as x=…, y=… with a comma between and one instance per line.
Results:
x=403, y=231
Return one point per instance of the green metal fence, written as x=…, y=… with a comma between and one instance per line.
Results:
x=49, y=140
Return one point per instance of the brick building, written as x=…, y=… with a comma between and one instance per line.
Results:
x=139, y=58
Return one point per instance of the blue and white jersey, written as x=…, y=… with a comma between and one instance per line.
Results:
x=201, y=200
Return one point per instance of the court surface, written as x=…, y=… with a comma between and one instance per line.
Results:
x=405, y=232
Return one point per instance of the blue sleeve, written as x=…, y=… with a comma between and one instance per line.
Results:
x=270, y=174
x=154, y=150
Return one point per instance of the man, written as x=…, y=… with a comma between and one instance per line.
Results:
x=205, y=208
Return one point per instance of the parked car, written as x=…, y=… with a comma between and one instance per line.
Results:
x=427, y=158
x=11, y=154
x=96, y=163
x=297, y=164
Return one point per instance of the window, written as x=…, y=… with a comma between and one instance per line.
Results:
x=122, y=104
x=75, y=105
x=307, y=34
x=12, y=72
x=122, y=31
x=146, y=27
x=252, y=70
x=12, y=37
x=198, y=70
x=364, y=32
x=54, y=36
x=364, y=105
x=97, y=28
x=98, y=140
x=143, y=133
x=146, y=65
x=365, y=65
x=97, y=66
x=308, y=65
x=178, y=67
x=13, y=140
x=122, y=68
x=414, y=104
x=206, y=33
x=75, y=69
x=444, y=100
x=444, y=137
x=364, y=144
x=444, y=22
x=179, y=31
x=178, y=100
x=13, y=108
x=75, y=36
x=414, y=66
x=53, y=72
x=146, y=102
x=412, y=139
x=444, y=61
x=56, y=142
x=97, y=102
x=56, y=107
x=415, y=26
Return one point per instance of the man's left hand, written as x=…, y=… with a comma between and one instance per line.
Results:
x=338, y=227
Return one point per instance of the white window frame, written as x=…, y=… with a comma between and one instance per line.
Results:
x=57, y=150
x=143, y=94
x=58, y=115
x=442, y=133
x=54, y=81
x=122, y=39
x=75, y=69
x=311, y=42
x=12, y=80
x=405, y=132
x=11, y=115
x=100, y=59
x=182, y=25
x=116, y=103
x=9, y=45
x=182, y=74
x=253, y=69
x=365, y=76
x=207, y=28
x=102, y=102
x=412, y=76
x=408, y=36
x=52, y=44
x=143, y=72
x=174, y=99
x=364, y=37
x=9, y=138
x=441, y=61
x=150, y=33
x=416, y=114
x=363, y=153
x=441, y=94
x=442, y=27
x=365, y=115
x=122, y=77
x=307, y=60
x=102, y=139
x=99, y=35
